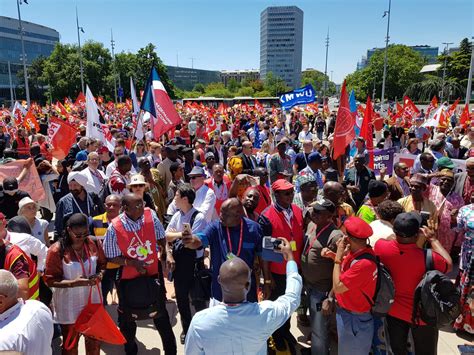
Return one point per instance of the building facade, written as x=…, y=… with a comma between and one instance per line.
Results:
x=428, y=52
x=186, y=78
x=239, y=75
x=39, y=41
x=281, y=43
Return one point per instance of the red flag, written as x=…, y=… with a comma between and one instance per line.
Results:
x=81, y=100
x=259, y=107
x=211, y=124
x=30, y=121
x=433, y=104
x=61, y=136
x=409, y=108
x=464, y=120
x=452, y=108
x=366, y=131
x=344, y=130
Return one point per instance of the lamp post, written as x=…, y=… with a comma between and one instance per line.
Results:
x=112, y=43
x=80, y=52
x=326, y=67
x=23, y=55
x=444, y=68
x=469, y=79
x=387, y=40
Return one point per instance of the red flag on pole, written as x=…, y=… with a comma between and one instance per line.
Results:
x=366, y=131
x=452, y=108
x=345, y=122
x=61, y=136
x=30, y=121
x=433, y=104
x=464, y=119
x=81, y=100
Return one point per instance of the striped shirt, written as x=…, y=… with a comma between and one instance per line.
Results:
x=111, y=247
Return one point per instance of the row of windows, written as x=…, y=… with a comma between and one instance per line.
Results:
x=28, y=34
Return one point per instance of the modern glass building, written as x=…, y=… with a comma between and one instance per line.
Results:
x=281, y=43
x=39, y=41
x=186, y=78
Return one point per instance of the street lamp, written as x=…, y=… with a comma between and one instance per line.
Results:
x=444, y=68
x=469, y=79
x=387, y=40
x=326, y=67
x=80, y=52
x=23, y=56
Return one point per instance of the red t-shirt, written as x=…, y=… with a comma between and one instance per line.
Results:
x=406, y=264
x=359, y=276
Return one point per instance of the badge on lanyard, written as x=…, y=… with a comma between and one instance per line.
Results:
x=230, y=256
x=293, y=245
x=303, y=258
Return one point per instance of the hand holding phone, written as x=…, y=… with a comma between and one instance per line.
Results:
x=187, y=230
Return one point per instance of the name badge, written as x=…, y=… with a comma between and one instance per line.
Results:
x=293, y=245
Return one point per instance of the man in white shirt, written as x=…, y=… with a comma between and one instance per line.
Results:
x=383, y=227
x=241, y=327
x=305, y=134
x=25, y=326
x=205, y=198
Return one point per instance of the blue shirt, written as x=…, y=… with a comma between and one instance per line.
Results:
x=215, y=236
x=243, y=328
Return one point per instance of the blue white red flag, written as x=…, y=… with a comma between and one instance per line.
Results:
x=157, y=102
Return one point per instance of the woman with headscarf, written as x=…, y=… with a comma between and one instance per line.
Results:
x=75, y=264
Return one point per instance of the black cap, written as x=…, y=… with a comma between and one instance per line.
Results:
x=186, y=150
x=407, y=225
x=377, y=188
x=324, y=205
x=10, y=184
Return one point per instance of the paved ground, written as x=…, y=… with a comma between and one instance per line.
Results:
x=149, y=341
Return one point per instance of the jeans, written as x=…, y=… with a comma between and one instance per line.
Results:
x=320, y=342
x=355, y=332
x=320, y=135
x=425, y=338
x=108, y=281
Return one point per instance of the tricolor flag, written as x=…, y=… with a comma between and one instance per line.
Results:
x=157, y=102
x=137, y=118
x=96, y=126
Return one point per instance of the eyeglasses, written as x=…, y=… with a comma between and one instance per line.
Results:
x=137, y=186
x=194, y=177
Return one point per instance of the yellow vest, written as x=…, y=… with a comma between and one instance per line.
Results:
x=101, y=224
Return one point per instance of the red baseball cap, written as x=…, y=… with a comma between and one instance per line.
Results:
x=281, y=185
x=358, y=228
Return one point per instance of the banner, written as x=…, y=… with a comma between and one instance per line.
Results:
x=61, y=135
x=409, y=160
x=31, y=183
x=304, y=95
x=383, y=158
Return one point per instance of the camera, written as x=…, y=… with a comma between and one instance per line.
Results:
x=271, y=243
x=425, y=216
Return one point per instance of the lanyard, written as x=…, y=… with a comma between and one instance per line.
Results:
x=240, y=240
x=82, y=263
x=316, y=238
x=80, y=209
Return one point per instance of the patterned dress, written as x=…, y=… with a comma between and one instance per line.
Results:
x=446, y=234
x=466, y=224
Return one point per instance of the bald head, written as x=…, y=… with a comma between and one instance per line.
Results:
x=234, y=278
x=8, y=290
x=231, y=212
x=334, y=192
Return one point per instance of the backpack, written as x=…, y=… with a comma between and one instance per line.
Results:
x=384, y=288
x=436, y=300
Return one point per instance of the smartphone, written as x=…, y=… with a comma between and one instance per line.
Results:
x=271, y=243
x=170, y=276
x=187, y=228
x=425, y=216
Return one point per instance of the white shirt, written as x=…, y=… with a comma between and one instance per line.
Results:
x=39, y=228
x=382, y=230
x=30, y=245
x=305, y=136
x=204, y=202
x=113, y=165
x=27, y=327
x=94, y=185
x=243, y=328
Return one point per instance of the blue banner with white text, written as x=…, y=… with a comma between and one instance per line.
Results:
x=304, y=95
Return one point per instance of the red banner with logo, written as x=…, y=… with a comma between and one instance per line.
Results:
x=61, y=136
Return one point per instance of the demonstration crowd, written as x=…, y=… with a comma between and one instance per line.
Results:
x=251, y=221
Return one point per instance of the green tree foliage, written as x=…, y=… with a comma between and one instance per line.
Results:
x=233, y=85
x=431, y=86
x=275, y=85
x=457, y=63
x=199, y=88
x=316, y=79
x=403, y=69
x=246, y=91
x=35, y=80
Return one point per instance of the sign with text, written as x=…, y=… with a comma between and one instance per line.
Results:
x=383, y=158
x=31, y=183
x=304, y=95
x=409, y=160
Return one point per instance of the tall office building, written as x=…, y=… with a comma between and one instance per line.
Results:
x=39, y=41
x=281, y=43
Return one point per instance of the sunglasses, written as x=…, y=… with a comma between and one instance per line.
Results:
x=194, y=177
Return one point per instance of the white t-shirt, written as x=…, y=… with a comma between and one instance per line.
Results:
x=39, y=228
x=382, y=230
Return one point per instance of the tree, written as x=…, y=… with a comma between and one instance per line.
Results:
x=245, y=91
x=317, y=79
x=126, y=66
x=146, y=59
x=457, y=63
x=199, y=88
x=275, y=85
x=403, y=69
x=233, y=85
x=36, y=83
x=431, y=86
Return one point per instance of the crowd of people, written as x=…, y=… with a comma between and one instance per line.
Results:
x=250, y=222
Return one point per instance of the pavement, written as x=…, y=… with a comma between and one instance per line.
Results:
x=149, y=341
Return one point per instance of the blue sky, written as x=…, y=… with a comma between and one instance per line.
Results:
x=225, y=34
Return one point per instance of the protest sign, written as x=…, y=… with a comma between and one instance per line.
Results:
x=409, y=160
x=31, y=183
x=383, y=158
x=304, y=95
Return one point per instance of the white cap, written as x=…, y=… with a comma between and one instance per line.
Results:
x=137, y=179
x=77, y=176
x=25, y=201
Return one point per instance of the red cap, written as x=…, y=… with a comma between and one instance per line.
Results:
x=281, y=185
x=358, y=228
x=103, y=150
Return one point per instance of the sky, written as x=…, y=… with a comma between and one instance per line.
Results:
x=225, y=34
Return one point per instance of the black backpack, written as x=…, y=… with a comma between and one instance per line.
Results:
x=436, y=301
x=384, y=288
